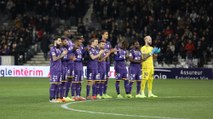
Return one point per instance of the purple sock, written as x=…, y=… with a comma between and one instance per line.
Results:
x=52, y=91
x=73, y=89
x=101, y=89
x=57, y=91
x=105, y=86
x=88, y=90
x=80, y=88
x=61, y=90
x=130, y=87
x=117, y=87
x=94, y=86
x=68, y=84
x=138, y=87
x=126, y=85
x=77, y=89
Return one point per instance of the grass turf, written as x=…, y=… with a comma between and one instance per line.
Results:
x=27, y=98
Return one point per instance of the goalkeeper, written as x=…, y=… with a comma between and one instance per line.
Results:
x=147, y=66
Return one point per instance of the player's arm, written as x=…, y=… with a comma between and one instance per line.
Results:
x=154, y=52
x=110, y=52
x=55, y=58
x=131, y=59
x=96, y=56
x=145, y=56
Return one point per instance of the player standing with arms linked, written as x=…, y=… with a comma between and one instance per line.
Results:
x=135, y=67
x=147, y=66
x=107, y=48
x=92, y=68
x=120, y=67
x=55, y=69
x=102, y=70
x=78, y=69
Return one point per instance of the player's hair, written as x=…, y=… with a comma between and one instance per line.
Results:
x=101, y=41
x=63, y=38
x=56, y=38
x=92, y=40
x=76, y=38
x=125, y=43
x=103, y=31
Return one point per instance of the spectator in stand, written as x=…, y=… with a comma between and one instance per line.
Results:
x=189, y=48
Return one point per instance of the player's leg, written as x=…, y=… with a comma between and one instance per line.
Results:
x=132, y=76
x=89, y=83
x=150, y=83
x=106, y=82
x=74, y=85
x=70, y=74
x=79, y=86
x=117, y=83
x=63, y=84
x=102, y=77
x=53, y=87
x=77, y=79
x=145, y=77
x=95, y=83
x=138, y=84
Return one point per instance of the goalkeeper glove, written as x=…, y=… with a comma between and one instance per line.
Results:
x=158, y=51
x=154, y=50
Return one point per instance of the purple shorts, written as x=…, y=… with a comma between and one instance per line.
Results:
x=135, y=74
x=64, y=74
x=70, y=70
x=78, y=75
x=121, y=73
x=55, y=77
x=102, y=76
x=107, y=69
x=92, y=74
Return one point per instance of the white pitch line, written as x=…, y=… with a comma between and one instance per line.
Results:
x=65, y=106
x=195, y=96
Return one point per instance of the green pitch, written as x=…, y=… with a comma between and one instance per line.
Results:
x=27, y=98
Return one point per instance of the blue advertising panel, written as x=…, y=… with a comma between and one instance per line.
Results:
x=183, y=73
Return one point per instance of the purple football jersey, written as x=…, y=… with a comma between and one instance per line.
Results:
x=135, y=68
x=55, y=65
x=119, y=58
x=93, y=63
x=102, y=64
x=78, y=62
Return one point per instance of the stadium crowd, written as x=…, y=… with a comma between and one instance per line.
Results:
x=33, y=23
x=181, y=28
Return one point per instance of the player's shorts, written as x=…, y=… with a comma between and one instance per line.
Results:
x=64, y=74
x=102, y=76
x=121, y=74
x=147, y=74
x=70, y=70
x=92, y=74
x=78, y=76
x=55, y=77
x=135, y=74
x=107, y=68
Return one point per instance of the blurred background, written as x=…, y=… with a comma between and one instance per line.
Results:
x=181, y=28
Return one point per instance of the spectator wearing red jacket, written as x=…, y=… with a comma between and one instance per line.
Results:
x=189, y=48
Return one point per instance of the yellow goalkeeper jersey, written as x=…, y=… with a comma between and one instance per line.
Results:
x=148, y=63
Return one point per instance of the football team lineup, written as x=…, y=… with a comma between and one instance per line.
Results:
x=66, y=67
